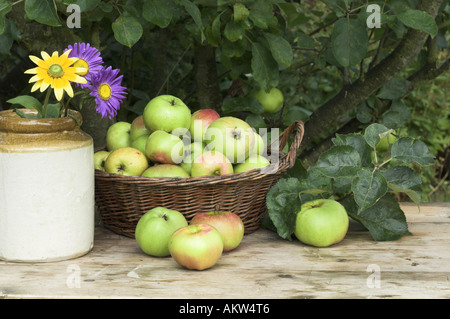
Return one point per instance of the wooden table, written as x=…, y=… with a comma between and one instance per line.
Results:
x=263, y=266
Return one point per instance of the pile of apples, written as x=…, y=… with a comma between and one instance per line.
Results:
x=163, y=232
x=167, y=140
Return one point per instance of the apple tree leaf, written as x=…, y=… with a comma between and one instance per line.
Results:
x=368, y=187
x=264, y=67
x=357, y=141
x=411, y=150
x=385, y=220
x=338, y=161
x=283, y=202
x=280, y=48
x=127, y=30
x=158, y=12
x=375, y=132
x=419, y=20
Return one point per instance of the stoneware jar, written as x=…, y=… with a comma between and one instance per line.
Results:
x=47, y=203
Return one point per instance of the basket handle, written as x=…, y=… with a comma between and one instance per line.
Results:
x=298, y=128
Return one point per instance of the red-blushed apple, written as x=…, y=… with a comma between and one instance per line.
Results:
x=138, y=128
x=140, y=142
x=163, y=147
x=100, y=159
x=254, y=161
x=166, y=112
x=271, y=101
x=232, y=137
x=211, y=163
x=165, y=170
x=200, y=121
x=126, y=161
x=196, y=247
x=154, y=229
x=118, y=135
x=321, y=223
x=228, y=224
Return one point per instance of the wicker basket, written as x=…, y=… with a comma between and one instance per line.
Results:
x=122, y=200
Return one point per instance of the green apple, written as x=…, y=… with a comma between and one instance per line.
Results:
x=271, y=101
x=166, y=112
x=196, y=247
x=230, y=136
x=200, y=121
x=321, y=223
x=140, y=142
x=154, y=229
x=138, y=128
x=163, y=147
x=100, y=159
x=194, y=150
x=126, y=161
x=165, y=170
x=118, y=135
x=253, y=162
x=211, y=163
x=259, y=146
x=385, y=142
x=228, y=224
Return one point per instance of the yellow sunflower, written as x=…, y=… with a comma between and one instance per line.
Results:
x=57, y=72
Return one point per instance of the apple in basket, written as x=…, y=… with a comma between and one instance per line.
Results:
x=167, y=113
x=154, y=229
x=126, y=161
x=232, y=137
x=196, y=247
x=211, y=163
x=100, y=159
x=165, y=170
x=190, y=153
x=252, y=162
x=138, y=128
x=164, y=147
x=200, y=121
x=118, y=135
x=228, y=224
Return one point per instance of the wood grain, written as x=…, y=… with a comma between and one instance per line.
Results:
x=263, y=266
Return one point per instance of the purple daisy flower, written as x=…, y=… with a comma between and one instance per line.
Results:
x=88, y=58
x=106, y=88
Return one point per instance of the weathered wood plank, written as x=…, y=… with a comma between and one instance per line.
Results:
x=263, y=266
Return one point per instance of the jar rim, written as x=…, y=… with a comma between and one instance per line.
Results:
x=11, y=122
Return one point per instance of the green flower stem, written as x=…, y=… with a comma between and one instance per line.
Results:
x=44, y=107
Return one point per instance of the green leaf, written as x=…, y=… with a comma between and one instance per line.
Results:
x=397, y=115
x=5, y=7
x=368, y=187
x=374, y=133
x=264, y=67
x=385, y=220
x=196, y=15
x=127, y=30
x=240, y=12
x=261, y=14
x=234, y=31
x=242, y=104
x=338, y=161
x=410, y=150
x=357, y=141
x=402, y=176
x=25, y=115
x=412, y=194
x=280, y=48
x=283, y=203
x=42, y=11
x=53, y=110
x=419, y=20
x=349, y=41
x=28, y=102
x=394, y=89
x=158, y=12
x=85, y=5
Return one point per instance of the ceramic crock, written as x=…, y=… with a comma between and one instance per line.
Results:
x=47, y=206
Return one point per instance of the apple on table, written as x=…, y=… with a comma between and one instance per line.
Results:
x=118, y=135
x=196, y=247
x=166, y=113
x=321, y=223
x=154, y=229
x=126, y=161
x=228, y=224
x=230, y=136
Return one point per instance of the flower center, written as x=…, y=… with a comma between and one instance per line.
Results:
x=104, y=91
x=80, y=63
x=55, y=71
